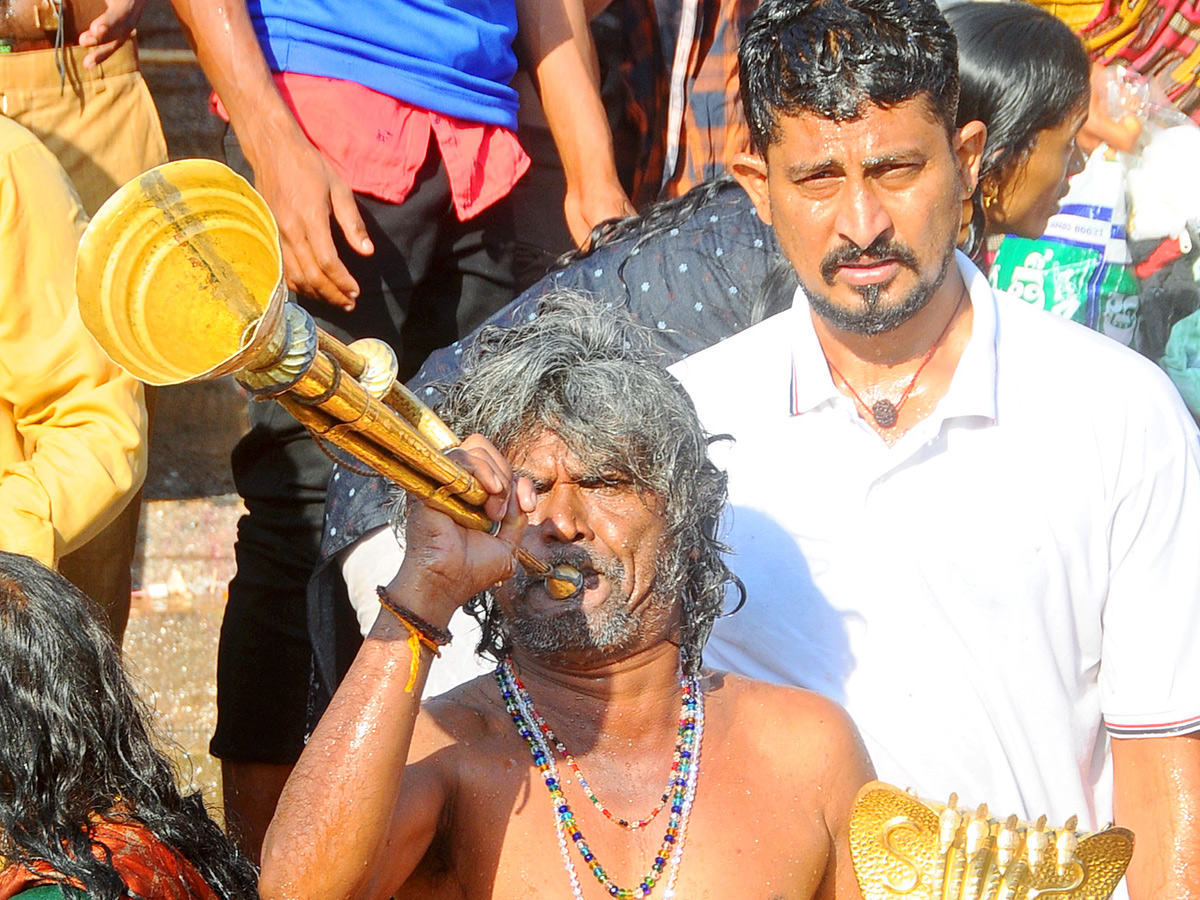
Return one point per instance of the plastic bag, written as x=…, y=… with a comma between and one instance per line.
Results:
x=1081, y=268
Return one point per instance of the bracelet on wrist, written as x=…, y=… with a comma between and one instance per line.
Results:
x=420, y=632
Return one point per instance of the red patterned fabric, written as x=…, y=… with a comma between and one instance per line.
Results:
x=1157, y=38
x=713, y=127
x=151, y=869
x=377, y=144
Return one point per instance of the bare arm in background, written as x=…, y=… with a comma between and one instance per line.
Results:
x=556, y=47
x=298, y=183
x=110, y=29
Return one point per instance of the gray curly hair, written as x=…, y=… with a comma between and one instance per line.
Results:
x=588, y=373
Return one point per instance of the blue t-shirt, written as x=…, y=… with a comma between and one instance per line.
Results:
x=453, y=57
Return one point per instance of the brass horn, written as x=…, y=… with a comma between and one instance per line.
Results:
x=180, y=278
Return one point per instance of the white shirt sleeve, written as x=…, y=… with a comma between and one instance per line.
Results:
x=1150, y=663
x=372, y=560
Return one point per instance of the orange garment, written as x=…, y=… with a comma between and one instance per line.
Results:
x=151, y=870
x=382, y=156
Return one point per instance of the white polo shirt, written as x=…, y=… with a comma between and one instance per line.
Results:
x=1018, y=570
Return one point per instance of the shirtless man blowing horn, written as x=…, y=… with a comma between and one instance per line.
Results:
x=601, y=463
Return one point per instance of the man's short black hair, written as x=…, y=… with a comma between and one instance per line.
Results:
x=835, y=58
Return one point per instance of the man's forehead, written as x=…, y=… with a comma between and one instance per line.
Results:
x=810, y=138
x=547, y=458
x=546, y=449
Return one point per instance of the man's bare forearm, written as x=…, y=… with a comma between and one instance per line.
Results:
x=1157, y=796
x=556, y=47
x=354, y=787
x=227, y=47
x=345, y=790
x=298, y=183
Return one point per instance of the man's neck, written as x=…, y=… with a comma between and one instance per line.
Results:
x=910, y=366
x=609, y=704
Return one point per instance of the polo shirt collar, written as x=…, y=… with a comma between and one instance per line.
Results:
x=972, y=391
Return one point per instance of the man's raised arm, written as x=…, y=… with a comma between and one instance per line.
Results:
x=350, y=790
x=297, y=182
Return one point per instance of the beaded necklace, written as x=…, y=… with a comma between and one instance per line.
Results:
x=685, y=772
x=687, y=724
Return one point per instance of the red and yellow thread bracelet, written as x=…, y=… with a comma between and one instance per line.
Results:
x=419, y=632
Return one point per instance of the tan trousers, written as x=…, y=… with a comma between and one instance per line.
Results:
x=101, y=124
x=103, y=127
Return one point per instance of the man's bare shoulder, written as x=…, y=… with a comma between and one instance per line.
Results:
x=788, y=755
x=766, y=717
x=466, y=713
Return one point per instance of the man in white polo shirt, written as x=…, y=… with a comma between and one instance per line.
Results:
x=974, y=524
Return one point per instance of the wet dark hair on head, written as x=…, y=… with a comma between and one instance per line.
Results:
x=590, y=375
x=75, y=743
x=835, y=58
x=1023, y=71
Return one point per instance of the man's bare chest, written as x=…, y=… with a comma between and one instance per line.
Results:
x=507, y=838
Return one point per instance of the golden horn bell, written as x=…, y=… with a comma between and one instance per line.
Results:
x=180, y=278
x=180, y=275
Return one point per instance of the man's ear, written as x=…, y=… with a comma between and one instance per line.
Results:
x=968, y=147
x=750, y=170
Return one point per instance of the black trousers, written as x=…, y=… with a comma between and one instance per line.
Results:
x=431, y=280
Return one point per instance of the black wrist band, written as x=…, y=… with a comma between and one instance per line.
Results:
x=439, y=637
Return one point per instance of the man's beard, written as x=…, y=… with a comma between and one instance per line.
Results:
x=607, y=629
x=872, y=318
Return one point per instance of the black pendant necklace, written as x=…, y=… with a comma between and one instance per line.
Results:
x=886, y=413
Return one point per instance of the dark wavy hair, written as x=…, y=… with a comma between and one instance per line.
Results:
x=74, y=738
x=589, y=375
x=1023, y=71
x=836, y=57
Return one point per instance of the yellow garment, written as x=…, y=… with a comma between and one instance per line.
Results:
x=100, y=123
x=72, y=424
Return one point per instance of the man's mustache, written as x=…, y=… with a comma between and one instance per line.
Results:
x=580, y=558
x=880, y=249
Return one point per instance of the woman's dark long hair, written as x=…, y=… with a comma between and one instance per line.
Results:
x=75, y=744
x=1021, y=71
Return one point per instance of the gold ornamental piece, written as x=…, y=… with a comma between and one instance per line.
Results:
x=180, y=275
x=904, y=847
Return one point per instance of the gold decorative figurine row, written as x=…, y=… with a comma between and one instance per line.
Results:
x=906, y=847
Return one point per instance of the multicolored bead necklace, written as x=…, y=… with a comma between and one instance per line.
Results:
x=685, y=771
x=687, y=725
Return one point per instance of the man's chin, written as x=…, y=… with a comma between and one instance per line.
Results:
x=873, y=314
x=874, y=309
x=571, y=631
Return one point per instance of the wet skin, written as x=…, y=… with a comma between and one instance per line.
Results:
x=1030, y=194
x=447, y=803
x=594, y=518
x=868, y=212
x=890, y=177
x=19, y=18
